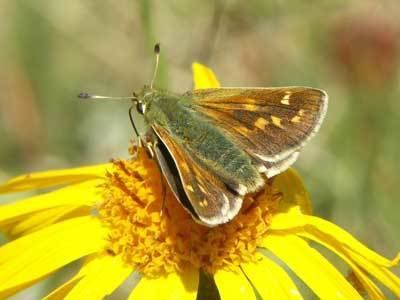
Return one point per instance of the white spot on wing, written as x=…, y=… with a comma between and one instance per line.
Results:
x=295, y=119
x=285, y=99
x=261, y=123
x=277, y=121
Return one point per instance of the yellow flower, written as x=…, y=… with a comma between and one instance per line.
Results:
x=110, y=216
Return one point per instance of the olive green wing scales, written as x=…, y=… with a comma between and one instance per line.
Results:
x=270, y=124
x=211, y=202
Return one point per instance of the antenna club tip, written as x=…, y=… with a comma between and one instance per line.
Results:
x=84, y=95
x=157, y=48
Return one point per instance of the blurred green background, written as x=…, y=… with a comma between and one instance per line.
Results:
x=52, y=50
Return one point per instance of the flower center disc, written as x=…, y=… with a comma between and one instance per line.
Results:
x=157, y=241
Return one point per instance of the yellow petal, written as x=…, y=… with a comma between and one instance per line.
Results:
x=83, y=194
x=270, y=280
x=31, y=257
x=373, y=291
x=318, y=273
x=233, y=285
x=101, y=277
x=62, y=291
x=294, y=192
x=42, y=219
x=388, y=278
x=325, y=232
x=177, y=286
x=343, y=244
x=52, y=178
x=203, y=77
x=295, y=221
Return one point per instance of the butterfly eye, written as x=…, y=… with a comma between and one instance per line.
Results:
x=141, y=107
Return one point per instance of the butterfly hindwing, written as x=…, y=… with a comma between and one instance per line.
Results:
x=211, y=202
x=270, y=124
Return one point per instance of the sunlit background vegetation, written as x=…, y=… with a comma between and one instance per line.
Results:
x=52, y=50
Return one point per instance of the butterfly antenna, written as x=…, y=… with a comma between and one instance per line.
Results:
x=88, y=96
x=157, y=56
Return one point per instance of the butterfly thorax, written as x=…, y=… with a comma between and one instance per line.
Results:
x=198, y=135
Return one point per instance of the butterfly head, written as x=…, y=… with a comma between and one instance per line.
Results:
x=143, y=99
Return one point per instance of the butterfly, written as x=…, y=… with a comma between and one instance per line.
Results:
x=216, y=145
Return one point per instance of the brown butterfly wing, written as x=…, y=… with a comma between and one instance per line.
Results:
x=212, y=203
x=271, y=124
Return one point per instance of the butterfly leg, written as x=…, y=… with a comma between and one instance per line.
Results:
x=150, y=151
x=139, y=143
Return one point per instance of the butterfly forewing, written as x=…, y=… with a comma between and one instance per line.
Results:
x=270, y=124
x=213, y=203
